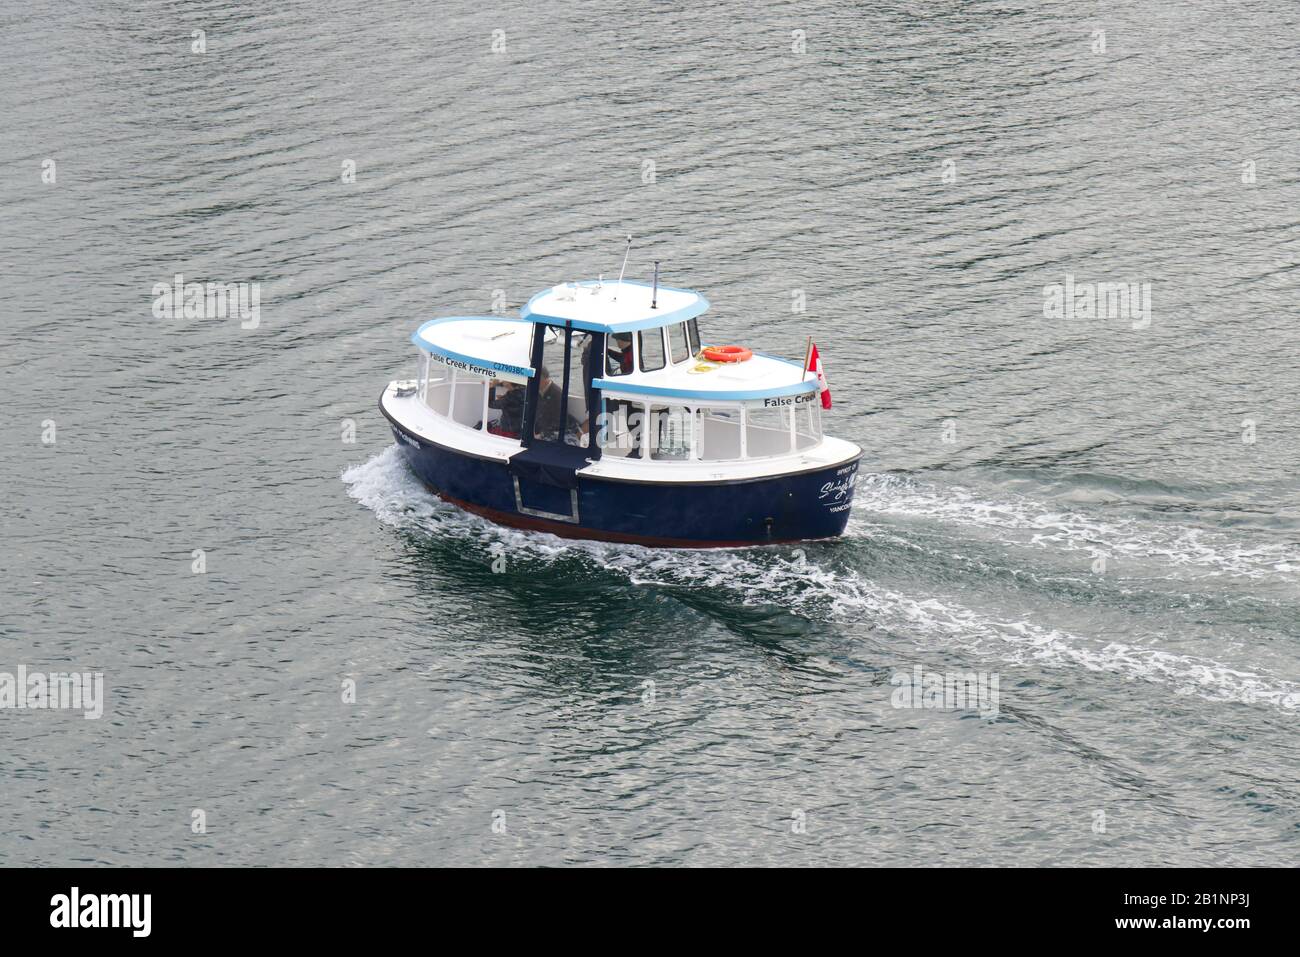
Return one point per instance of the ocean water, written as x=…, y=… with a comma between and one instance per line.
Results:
x=1099, y=514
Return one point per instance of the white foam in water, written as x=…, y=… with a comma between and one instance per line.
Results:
x=386, y=486
x=1038, y=526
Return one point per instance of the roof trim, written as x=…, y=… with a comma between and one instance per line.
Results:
x=705, y=395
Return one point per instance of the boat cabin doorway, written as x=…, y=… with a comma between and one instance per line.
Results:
x=557, y=422
x=558, y=409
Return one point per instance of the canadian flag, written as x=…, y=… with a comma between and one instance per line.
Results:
x=815, y=365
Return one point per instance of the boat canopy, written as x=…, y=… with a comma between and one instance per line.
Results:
x=761, y=378
x=640, y=354
x=464, y=342
x=625, y=306
x=620, y=379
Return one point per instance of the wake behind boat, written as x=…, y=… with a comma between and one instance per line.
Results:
x=599, y=413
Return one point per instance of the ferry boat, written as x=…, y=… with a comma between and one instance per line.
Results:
x=600, y=413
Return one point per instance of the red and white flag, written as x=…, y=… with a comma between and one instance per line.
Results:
x=815, y=365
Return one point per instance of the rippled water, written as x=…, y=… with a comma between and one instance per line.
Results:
x=1106, y=517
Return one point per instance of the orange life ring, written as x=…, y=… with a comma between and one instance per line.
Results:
x=727, y=353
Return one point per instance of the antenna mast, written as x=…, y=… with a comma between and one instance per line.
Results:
x=627, y=252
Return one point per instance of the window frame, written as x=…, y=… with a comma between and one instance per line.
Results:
x=663, y=351
x=655, y=419
x=439, y=375
x=735, y=413
x=778, y=422
x=686, y=343
x=610, y=373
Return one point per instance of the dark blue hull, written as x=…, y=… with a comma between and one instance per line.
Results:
x=785, y=508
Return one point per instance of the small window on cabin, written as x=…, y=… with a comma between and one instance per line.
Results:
x=619, y=427
x=652, y=349
x=467, y=399
x=808, y=423
x=719, y=434
x=505, y=408
x=437, y=391
x=767, y=430
x=693, y=331
x=618, y=353
x=671, y=430
x=681, y=349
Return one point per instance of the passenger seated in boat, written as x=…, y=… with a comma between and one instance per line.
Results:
x=509, y=398
x=618, y=354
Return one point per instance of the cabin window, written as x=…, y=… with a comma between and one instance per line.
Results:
x=767, y=430
x=671, y=432
x=681, y=349
x=618, y=353
x=468, y=393
x=504, y=415
x=719, y=434
x=619, y=428
x=808, y=424
x=422, y=374
x=693, y=333
x=652, y=349
x=437, y=390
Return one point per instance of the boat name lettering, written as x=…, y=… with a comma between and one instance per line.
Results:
x=470, y=367
x=475, y=369
x=789, y=400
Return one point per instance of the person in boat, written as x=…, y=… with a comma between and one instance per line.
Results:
x=618, y=354
x=550, y=407
x=509, y=398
